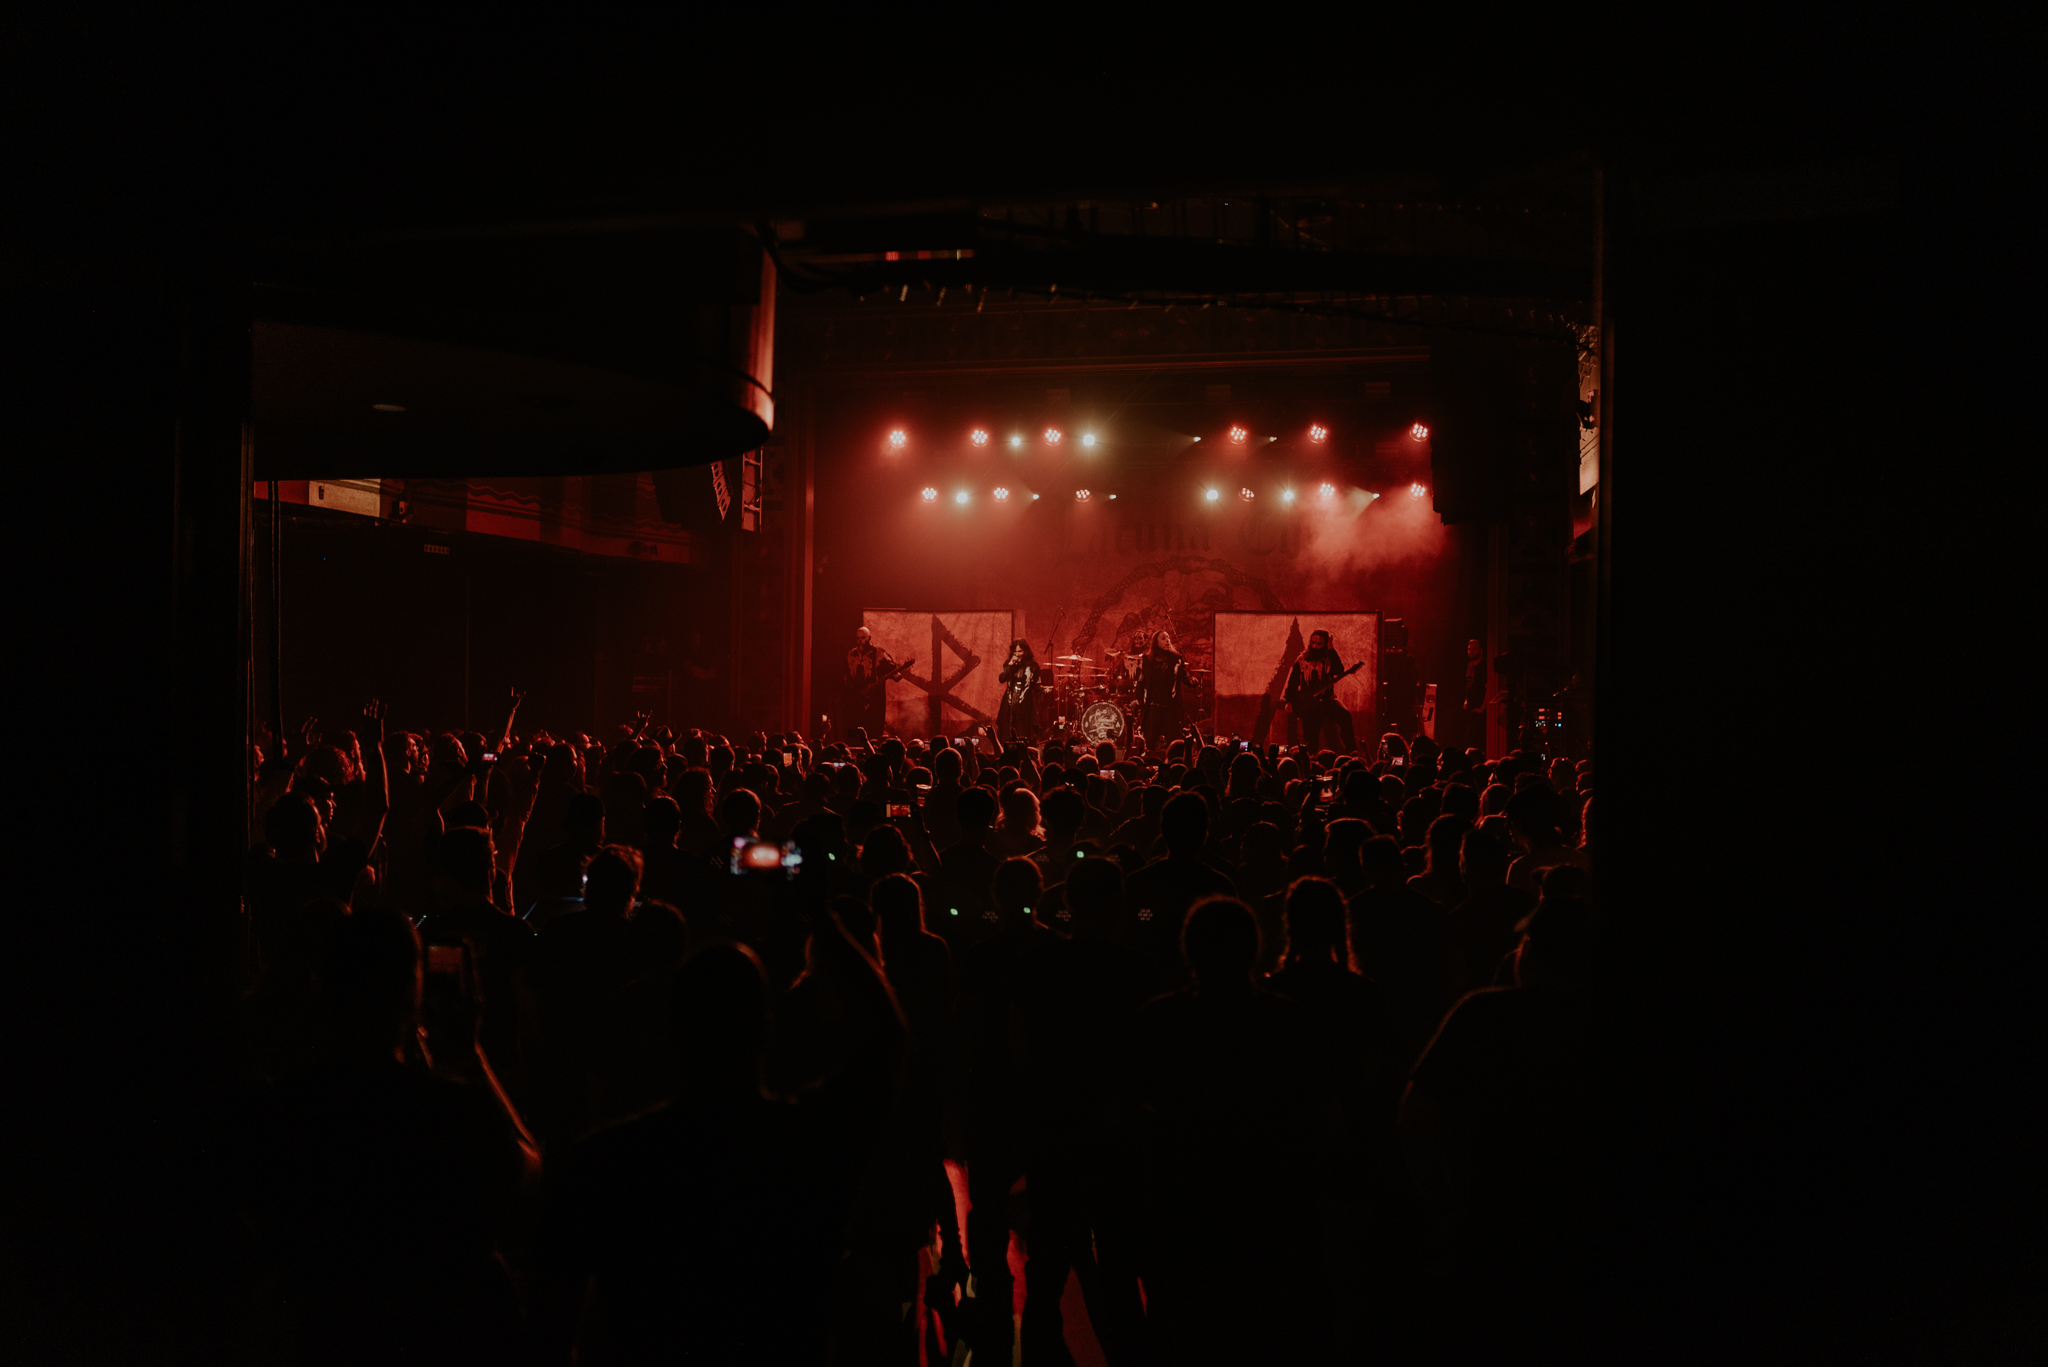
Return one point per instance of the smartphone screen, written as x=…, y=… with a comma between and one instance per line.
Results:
x=1243, y=746
x=788, y=759
x=924, y=790
x=490, y=758
x=896, y=809
x=763, y=857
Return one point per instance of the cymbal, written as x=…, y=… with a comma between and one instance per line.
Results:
x=1076, y=659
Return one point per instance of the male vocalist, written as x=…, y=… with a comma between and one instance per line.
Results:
x=1311, y=695
x=1163, y=681
x=1017, y=718
x=863, y=702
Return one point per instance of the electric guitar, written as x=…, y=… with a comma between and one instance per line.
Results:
x=867, y=690
x=1322, y=690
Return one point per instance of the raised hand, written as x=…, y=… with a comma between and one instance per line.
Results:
x=372, y=729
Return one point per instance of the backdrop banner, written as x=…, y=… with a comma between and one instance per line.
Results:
x=1254, y=651
x=954, y=657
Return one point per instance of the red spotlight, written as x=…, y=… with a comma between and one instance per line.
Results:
x=1246, y=494
x=1080, y=495
x=1317, y=432
x=1419, y=432
x=1239, y=435
x=1416, y=491
x=1052, y=436
x=899, y=439
x=930, y=495
x=978, y=437
x=1327, y=491
x=1000, y=494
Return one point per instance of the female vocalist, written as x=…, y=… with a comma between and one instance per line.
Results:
x=1163, y=681
x=1017, y=718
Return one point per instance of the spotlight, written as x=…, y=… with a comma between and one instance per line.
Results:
x=1328, y=490
x=1052, y=436
x=930, y=494
x=1419, y=431
x=1238, y=435
x=1212, y=495
x=961, y=498
x=1000, y=494
x=1416, y=491
x=1034, y=498
x=1246, y=495
x=1080, y=495
x=1197, y=438
x=899, y=439
x=1287, y=495
x=978, y=437
x=1317, y=432
x=1016, y=442
x=1112, y=498
x=1087, y=438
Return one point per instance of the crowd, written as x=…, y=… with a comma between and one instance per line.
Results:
x=669, y=1046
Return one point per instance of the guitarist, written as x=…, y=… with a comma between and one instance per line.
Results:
x=1311, y=695
x=861, y=704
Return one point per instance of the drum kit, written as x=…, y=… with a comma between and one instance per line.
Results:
x=1097, y=702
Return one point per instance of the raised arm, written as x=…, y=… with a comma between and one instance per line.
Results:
x=376, y=777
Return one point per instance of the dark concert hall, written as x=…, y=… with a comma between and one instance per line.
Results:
x=1073, y=690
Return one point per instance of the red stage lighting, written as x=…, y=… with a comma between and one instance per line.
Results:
x=1212, y=495
x=1416, y=491
x=1000, y=494
x=1238, y=435
x=1080, y=495
x=930, y=494
x=1087, y=438
x=1317, y=432
x=1052, y=436
x=899, y=439
x=961, y=498
x=1016, y=442
x=1246, y=494
x=1327, y=491
x=1419, y=432
x=978, y=437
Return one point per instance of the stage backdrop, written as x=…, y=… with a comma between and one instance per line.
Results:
x=1254, y=650
x=952, y=683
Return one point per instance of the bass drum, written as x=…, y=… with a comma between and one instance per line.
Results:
x=1103, y=721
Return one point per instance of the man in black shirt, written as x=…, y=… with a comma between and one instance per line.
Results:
x=863, y=701
x=1473, y=706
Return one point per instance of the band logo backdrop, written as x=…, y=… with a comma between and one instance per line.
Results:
x=1254, y=651
x=950, y=685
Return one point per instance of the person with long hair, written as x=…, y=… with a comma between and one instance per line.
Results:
x=1163, y=683
x=1017, y=718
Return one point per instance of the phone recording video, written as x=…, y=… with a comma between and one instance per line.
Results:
x=896, y=809
x=1243, y=746
x=1327, y=791
x=764, y=858
x=490, y=757
x=789, y=759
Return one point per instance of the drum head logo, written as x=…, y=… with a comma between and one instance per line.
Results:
x=1102, y=722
